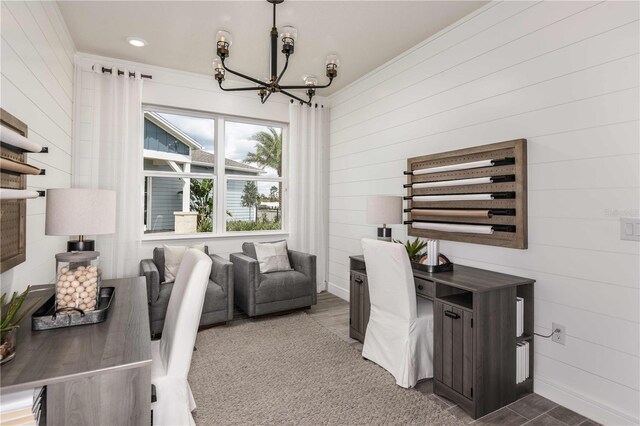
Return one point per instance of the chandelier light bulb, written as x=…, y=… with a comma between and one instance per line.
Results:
x=310, y=80
x=288, y=32
x=223, y=41
x=333, y=62
x=223, y=36
x=218, y=69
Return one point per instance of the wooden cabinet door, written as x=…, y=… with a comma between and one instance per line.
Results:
x=359, y=306
x=355, y=305
x=453, y=362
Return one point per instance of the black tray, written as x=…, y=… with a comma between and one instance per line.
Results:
x=45, y=318
x=445, y=267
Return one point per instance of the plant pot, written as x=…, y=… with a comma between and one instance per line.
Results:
x=8, y=345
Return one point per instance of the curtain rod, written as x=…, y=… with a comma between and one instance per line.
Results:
x=120, y=72
x=301, y=103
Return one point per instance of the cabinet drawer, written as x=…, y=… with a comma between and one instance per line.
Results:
x=424, y=287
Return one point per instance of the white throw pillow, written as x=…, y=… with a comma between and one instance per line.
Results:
x=272, y=256
x=172, y=257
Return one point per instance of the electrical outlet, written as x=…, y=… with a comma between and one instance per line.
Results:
x=558, y=337
x=630, y=229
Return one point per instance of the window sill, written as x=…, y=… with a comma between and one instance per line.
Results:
x=212, y=236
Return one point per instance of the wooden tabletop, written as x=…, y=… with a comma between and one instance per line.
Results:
x=468, y=278
x=52, y=356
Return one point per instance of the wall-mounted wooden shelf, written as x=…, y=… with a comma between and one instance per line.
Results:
x=492, y=207
x=13, y=182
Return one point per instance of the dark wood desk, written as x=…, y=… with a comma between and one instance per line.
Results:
x=474, y=332
x=98, y=374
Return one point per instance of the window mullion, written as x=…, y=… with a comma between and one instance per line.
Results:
x=221, y=186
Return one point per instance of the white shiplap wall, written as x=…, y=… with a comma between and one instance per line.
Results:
x=177, y=89
x=565, y=76
x=37, y=67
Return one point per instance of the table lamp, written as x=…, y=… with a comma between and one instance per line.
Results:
x=384, y=209
x=80, y=211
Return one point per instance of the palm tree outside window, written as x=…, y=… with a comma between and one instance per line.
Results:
x=261, y=147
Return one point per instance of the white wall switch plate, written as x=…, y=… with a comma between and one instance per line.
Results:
x=558, y=337
x=630, y=228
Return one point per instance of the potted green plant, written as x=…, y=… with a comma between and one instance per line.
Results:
x=414, y=249
x=9, y=323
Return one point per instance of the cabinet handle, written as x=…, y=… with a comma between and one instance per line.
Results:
x=420, y=287
x=451, y=314
x=358, y=280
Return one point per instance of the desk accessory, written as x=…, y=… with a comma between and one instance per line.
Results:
x=9, y=323
x=444, y=265
x=47, y=316
x=414, y=249
x=385, y=209
x=78, y=281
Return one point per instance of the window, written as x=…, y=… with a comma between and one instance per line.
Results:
x=189, y=190
x=254, y=191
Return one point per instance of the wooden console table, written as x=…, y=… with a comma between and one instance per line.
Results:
x=97, y=374
x=474, y=332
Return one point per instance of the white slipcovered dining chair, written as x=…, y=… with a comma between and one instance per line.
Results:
x=399, y=336
x=171, y=355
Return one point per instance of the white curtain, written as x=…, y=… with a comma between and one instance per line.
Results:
x=112, y=159
x=308, y=184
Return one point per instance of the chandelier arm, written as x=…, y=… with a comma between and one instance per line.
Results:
x=286, y=64
x=307, y=87
x=238, y=89
x=263, y=100
x=291, y=95
x=261, y=83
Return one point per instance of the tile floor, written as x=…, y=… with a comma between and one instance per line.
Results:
x=532, y=410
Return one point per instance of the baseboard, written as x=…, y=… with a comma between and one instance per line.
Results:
x=338, y=291
x=581, y=404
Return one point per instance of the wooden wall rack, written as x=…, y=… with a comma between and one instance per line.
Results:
x=13, y=179
x=474, y=195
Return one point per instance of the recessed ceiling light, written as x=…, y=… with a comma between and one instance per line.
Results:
x=136, y=41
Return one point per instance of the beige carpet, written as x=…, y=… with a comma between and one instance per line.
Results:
x=290, y=370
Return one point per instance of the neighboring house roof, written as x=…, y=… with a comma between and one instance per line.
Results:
x=204, y=158
x=198, y=156
x=165, y=125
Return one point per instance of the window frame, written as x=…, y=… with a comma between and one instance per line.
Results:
x=219, y=175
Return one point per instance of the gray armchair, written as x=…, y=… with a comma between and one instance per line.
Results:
x=218, y=301
x=259, y=294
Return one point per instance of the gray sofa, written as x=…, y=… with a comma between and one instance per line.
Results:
x=218, y=301
x=260, y=294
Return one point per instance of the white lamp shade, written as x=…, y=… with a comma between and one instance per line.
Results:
x=384, y=209
x=79, y=211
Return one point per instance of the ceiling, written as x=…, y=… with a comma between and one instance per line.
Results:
x=181, y=34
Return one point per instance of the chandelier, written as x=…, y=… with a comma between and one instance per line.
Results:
x=266, y=87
